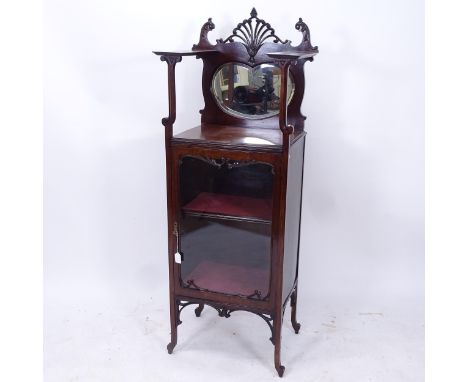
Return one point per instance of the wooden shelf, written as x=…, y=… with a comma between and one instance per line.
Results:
x=293, y=55
x=230, y=207
x=229, y=279
x=235, y=137
x=195, y=52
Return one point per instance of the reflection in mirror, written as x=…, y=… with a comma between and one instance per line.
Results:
x=248, y=92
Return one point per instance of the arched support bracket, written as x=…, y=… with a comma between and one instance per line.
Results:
x=222, y=312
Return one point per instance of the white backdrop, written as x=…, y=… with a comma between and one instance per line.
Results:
x=104, y=190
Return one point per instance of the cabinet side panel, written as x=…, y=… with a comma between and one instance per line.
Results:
x=293, y=216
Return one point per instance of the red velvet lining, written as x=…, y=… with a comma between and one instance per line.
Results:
x=230, y=279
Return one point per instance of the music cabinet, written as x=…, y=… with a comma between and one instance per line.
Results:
x=234, y=182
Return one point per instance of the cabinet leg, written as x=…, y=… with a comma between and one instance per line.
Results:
x=199, y=309
x=294, y=322
x=277, y=340
x=174, y=308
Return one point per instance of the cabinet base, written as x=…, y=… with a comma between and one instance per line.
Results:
x=224, y=311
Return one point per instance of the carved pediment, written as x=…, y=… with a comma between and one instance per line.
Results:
x=252, y=33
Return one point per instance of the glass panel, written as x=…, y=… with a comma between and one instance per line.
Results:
x=248, y=92
x=225, y=223
x=225, y=256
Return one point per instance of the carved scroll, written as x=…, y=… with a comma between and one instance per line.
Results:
x=302, y=27
x=204, y=43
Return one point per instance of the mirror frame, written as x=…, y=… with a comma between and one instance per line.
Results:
x=240, y=114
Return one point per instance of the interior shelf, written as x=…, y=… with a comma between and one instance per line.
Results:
x=229, y=279
x=232, y=207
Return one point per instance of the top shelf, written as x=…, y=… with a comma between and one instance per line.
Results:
x=186, y=52
x=287, y=55
x=292, y=55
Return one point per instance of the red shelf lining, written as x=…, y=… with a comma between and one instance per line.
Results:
x=230, y=279
x=230, y=205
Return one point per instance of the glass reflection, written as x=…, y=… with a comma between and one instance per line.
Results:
x=248, y=92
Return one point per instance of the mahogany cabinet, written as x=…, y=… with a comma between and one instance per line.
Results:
x=234, y=182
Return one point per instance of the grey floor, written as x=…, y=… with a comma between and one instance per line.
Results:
x=99, y=340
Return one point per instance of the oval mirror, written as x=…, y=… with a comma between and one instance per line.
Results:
x=248, y=92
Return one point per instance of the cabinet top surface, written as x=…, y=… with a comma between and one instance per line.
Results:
x=235, y=136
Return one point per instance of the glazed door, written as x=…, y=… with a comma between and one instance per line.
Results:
x=224, y=221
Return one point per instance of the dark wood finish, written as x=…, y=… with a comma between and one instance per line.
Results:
x=234, y=137
x=224, y=142
x=293, y=218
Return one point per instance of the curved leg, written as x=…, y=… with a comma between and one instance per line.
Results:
x=295, y=324
x=199, y=309
x=174, y=308
x=277, y=340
